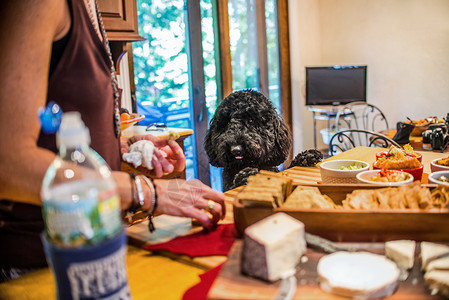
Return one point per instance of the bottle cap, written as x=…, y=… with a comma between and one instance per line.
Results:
x=72, y=131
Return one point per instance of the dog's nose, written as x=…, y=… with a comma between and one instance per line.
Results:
x=236, y=150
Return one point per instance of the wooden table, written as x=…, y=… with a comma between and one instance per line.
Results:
x=168, y=276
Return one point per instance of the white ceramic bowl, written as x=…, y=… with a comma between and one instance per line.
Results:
x=331, y=173
x=365, y=177
x=434, y=167
x=433, y=177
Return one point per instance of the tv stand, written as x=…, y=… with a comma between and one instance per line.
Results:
x=324, y=113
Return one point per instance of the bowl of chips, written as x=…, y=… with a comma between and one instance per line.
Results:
x=440, y=177
x=342, y=171
x=385, y=177
x=385, y=154
x=439, y=164
x=394, y=152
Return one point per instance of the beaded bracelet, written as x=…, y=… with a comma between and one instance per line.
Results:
x=150, y=184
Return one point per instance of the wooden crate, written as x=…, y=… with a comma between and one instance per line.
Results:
x=357, y=225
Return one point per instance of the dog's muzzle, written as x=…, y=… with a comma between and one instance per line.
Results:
x=237, y=152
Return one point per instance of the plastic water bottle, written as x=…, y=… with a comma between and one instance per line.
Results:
x=84, y=239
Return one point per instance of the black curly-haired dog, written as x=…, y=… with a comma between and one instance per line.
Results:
x=247, y=135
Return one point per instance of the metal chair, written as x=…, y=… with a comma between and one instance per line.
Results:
x=361, y=115
x=350, y=138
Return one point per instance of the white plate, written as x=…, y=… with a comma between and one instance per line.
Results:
x=365, y=177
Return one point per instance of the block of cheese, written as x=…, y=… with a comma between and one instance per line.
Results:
x=430, y=251
x=358, y=275
x=402, y=252
x=438, y=282
x=438, y=264
x=272, y=247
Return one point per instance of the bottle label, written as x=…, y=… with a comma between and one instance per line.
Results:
x=80, y=220
x=109, y=211
x=93, y=272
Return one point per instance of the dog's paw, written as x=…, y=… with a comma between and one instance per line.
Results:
x=307, y=158
x=241, y=177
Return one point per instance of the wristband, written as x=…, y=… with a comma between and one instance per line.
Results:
x=134, y=204
x=150, y=184
x=140, y=195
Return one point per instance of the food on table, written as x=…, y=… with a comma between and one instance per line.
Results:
x=441, y=263
x=438, y=282
x=272, y=247
x=265, y=189
x=402, y=252
x=125, y=117
x=398, y=159
x=398, y=162
x=443, y=162
x=412, y=196
x=408, y=149
x=430, y=251
x=389, y=176
x=435, y=263
x=140, y=153
x=353, y=166
x=395, y=152
x=173, y=135
x=308, y=197
x=360, y=275
x=443, y=179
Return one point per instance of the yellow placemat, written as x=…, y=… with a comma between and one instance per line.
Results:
x=150, y=277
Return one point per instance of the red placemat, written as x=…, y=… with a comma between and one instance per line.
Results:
x=203, y=243
x=199, y=291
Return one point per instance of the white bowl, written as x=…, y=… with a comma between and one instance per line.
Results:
x=433, y=177
x=365, y=177
x=331, y=173
x=434, y=167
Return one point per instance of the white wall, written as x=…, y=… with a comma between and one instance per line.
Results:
x=404, y=43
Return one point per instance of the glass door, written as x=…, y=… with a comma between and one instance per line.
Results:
x=196, y=52
x=174, y=84
x=254, y=44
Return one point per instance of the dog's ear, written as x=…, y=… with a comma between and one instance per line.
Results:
x=283, y=142
x=209, y=147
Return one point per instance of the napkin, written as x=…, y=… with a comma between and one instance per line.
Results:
x=200, y=290
x=203, y=243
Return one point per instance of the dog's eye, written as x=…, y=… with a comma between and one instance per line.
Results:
x=250, y=120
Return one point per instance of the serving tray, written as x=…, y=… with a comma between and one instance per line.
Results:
x=344, y=225
x=232, y=284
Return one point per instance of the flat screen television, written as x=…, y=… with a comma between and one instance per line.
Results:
x=335, y=85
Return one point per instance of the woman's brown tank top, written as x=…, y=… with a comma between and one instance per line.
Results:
x=82, y=82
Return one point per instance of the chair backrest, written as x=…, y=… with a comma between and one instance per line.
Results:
x=361, y=115
x=350, y=138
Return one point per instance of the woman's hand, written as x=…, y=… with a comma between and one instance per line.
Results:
x=192, y=198
x=168, y=156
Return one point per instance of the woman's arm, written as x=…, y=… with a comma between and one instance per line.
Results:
x=28, y=29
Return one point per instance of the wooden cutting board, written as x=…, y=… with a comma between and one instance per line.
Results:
x=231, y=284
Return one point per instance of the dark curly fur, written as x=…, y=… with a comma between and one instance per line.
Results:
x=307, y=158
x=246, y=135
